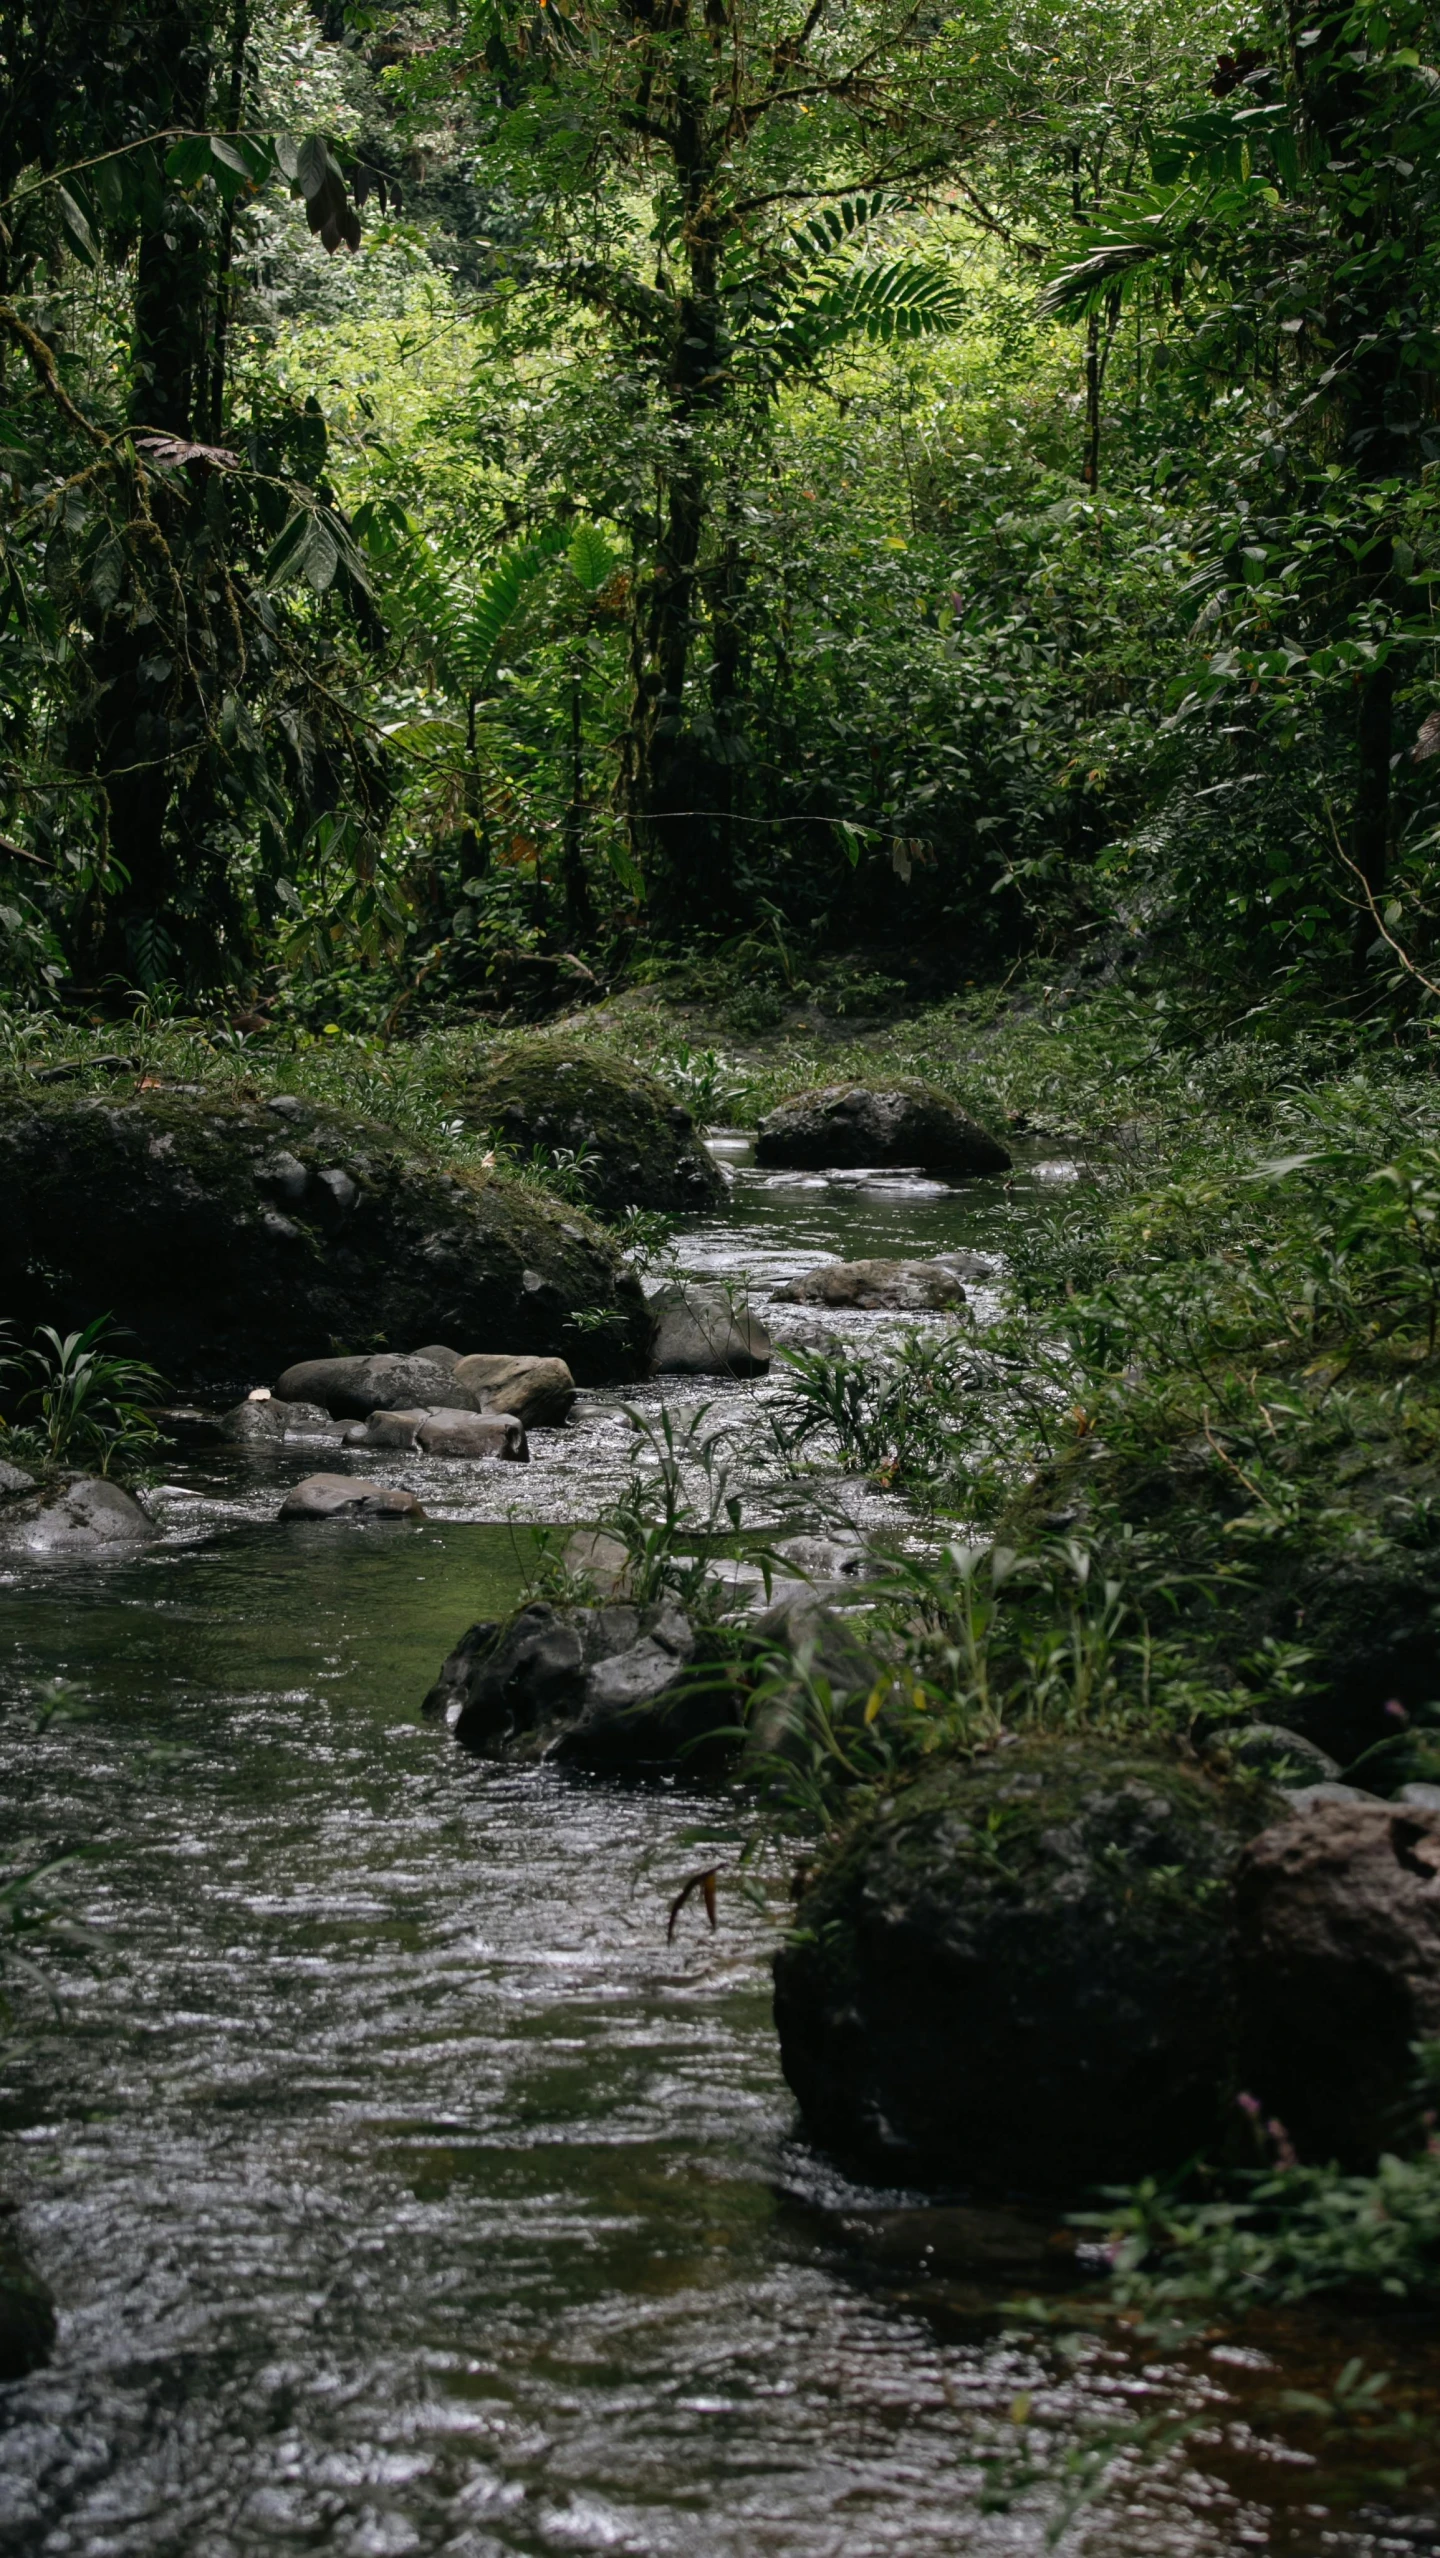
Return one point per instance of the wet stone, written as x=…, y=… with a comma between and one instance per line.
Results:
x=331, y=1496
x=90, y=1516
x=904, y=1286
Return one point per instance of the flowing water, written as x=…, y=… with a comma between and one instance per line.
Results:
x=404, y=2190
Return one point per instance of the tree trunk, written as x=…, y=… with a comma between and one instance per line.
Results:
x=1370, y=827
x=163, y=916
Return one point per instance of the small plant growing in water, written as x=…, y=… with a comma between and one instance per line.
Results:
x=78, y=1398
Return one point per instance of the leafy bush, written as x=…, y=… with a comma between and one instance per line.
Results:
x=87, y=1401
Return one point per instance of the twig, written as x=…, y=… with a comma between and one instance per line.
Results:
x=43, y=364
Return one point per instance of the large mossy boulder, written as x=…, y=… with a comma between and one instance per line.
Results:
x=230, y=1237
x=634, y=1145
x=1015, y=1975
x=840, y=1126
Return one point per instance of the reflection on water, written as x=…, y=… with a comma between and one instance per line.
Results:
x=403, y=2190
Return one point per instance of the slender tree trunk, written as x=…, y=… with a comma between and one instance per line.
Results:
x=579, y=907
x=1370, y=825
x=149, y=723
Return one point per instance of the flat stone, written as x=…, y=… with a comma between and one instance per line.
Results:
x=91, y=1516
x=499, y=1436
x=698, y=1334
x=330, y=1496
x=539, y=1392
x=381, y=1381
x=907, y=1286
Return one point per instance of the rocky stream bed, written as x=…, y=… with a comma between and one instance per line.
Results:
x=402, y=2187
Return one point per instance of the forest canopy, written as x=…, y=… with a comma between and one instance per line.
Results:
x=495, y=496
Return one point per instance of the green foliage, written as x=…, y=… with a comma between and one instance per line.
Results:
x=76, y=1399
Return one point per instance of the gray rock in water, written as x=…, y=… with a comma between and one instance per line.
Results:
x=1337, y=1930
x=908, y=1286
x=496, y=1435
x=439, y=1355
x=539, y=1392
x=268, y=1423
x=613, y=1688
x=14, y=1479
x=911, y=1124
x=448, y=1433
x=332, y=1496
x=697, y=1334
x=91, y=1516
x=382, y=1381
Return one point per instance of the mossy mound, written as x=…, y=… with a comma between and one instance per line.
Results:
x=229, y=1238
x=1014, y=1975
x=633, y=1146
x=900, y=1123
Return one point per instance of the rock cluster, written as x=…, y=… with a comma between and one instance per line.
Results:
x=219, y=1232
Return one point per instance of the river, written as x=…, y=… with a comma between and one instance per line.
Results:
x=404, y=2190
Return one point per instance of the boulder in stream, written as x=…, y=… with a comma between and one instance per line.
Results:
x=1338, y=1969
x=266, y=1421
x=633, y=1145
x=348, y=1496
x=1015, y=1973
x=539, y=1392
x=834, y=1126
x=225, y=1235
x=616, y=1688
x=701, y=1332
x=380, y=1381
x=497, y=1436
x=911, y=1287
x=89, y=1515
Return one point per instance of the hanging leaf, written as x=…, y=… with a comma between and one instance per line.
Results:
x=82, y=238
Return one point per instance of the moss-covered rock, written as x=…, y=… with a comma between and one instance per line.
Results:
x=1015, y=1974
x=895, y=1123
x=635, y=1147
x=231, y=1237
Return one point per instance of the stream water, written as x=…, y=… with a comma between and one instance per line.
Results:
x=404, y=2190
